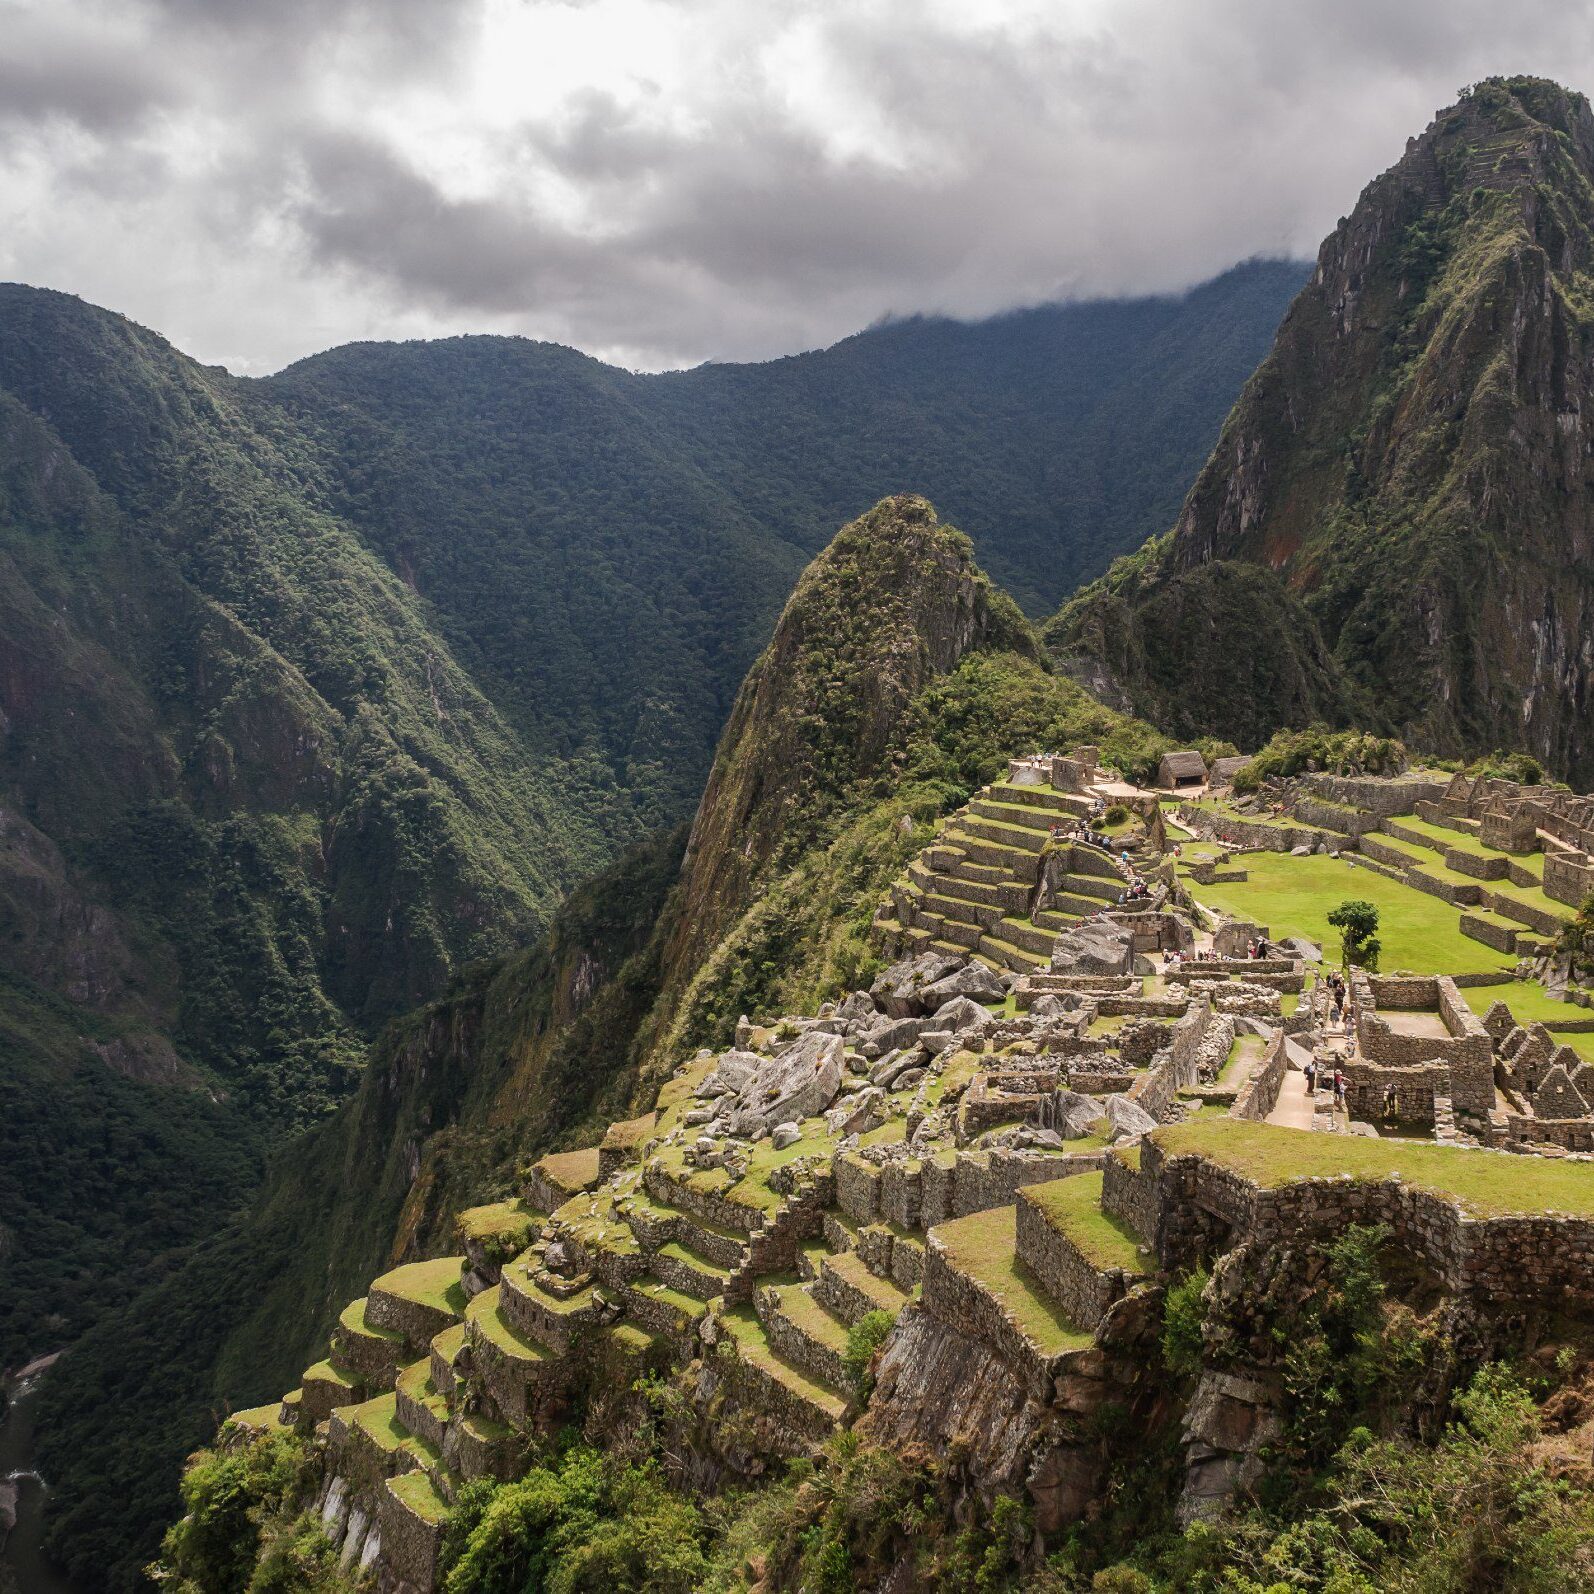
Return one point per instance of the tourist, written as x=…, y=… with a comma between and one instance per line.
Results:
x=1391, y=1100
x=1339, y=1088
x=1311, y=1076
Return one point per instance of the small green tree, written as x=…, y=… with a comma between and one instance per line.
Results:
x=864, y=1338
x=1576, y=940
x=1357, y=923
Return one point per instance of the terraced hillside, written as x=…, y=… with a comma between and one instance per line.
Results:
x=998, y=884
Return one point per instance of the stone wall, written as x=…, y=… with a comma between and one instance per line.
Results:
x=1253, y=835
x=1467, y=1053
x=1568, y=877
x=1127, y=1193
x=1260, y=1093
x=1545, y=1258
x=957, y=1301
x=1083, y=1291
x=1417, y=1090
x=1386, y=798
x=1336, y=817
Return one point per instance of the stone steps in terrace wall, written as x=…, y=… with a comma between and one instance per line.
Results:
x=849, y=1291
x=1005, y=955
x=1025, y=936
x=1044, y=798
x=1017, y=863
x=810, y=1408
x=802, y=1332
x=1015, y=838
x=1080, y=1256
x=688, y=1271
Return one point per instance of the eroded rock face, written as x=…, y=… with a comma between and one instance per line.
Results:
x=933, y=1380
x=1228, y=1421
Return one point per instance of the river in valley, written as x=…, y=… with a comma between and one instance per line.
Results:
x=22, y=1563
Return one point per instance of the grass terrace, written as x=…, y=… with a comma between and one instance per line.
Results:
x=435, y=1283
x=485, y=1314
x=1073, y=1207
x=982, y=1248
x=570, y=1170
x=1487, y=1184
x=417, y=1493
x=378, y=1420
x=1294, y=896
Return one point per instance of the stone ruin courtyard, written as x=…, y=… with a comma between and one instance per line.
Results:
x=1070, y=1080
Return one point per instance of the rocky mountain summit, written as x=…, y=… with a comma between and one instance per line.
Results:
x=1396, y=529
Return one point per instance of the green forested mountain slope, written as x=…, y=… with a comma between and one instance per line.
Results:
x=1397, y=526
x=607, y=551
x=249, y=808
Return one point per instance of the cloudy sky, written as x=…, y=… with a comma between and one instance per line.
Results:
x=667, y=181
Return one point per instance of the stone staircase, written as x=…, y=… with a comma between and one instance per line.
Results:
x=974, y=889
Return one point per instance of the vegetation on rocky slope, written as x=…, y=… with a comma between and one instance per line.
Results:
x=1395, y=529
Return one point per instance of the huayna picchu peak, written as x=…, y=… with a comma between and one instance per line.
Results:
x=1396, y=529
x=566, y=1024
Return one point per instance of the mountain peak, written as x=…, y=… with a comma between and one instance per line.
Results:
x=1422, y=414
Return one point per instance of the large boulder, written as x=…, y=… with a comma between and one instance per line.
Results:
x=899, y=990
x=798, y=1083
x=1127, y=1119
x=962, y=1014
x=1075, y=1115
x=1102, y=947
x=976, y=980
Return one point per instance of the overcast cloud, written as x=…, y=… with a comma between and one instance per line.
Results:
x=666, y=181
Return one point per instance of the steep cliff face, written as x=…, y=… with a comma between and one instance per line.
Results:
x=1397, y=525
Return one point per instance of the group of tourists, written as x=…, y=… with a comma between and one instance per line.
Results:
x=1339, y=1000
x=1319, y=1076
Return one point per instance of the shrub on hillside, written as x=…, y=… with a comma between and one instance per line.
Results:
x=1320, y=750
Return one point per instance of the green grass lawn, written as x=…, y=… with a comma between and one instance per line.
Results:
x=1487, y=1184
x=1294, y=896
x=1465, y=841
x=435, y=1283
